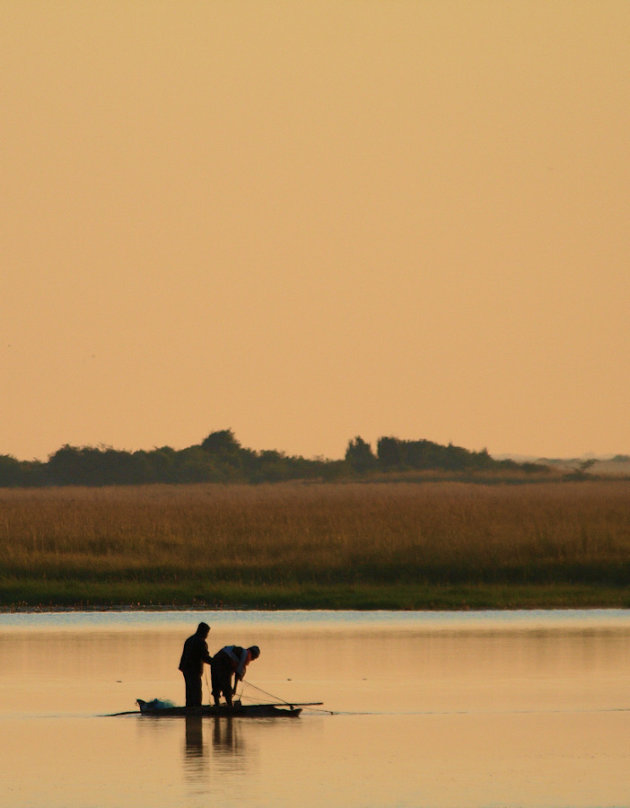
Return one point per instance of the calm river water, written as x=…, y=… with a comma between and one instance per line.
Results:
x=428, y=709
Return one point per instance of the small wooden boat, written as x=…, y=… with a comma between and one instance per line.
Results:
x=158, y=709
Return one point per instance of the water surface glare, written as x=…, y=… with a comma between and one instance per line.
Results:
x=426, y=709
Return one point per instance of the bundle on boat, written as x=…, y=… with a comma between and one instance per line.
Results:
x=159, y=708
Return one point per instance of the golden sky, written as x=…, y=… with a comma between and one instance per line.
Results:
x=311, y=220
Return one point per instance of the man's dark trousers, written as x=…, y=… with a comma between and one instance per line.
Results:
x=193, y=689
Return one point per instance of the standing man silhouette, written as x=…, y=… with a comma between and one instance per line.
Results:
x=195, y=653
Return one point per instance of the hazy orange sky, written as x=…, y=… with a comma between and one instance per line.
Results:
x=311, y=220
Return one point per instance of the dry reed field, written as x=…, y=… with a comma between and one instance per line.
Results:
x=300, y=544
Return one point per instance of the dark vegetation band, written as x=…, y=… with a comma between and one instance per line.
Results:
x=221, y=458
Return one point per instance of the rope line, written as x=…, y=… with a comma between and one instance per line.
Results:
x=271, y=695
x=284, y=701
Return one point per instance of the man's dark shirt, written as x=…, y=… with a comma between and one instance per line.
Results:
x=195, y=653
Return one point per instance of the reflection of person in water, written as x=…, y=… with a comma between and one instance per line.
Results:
x=194, y=736
x=231, y=659
x=225, y=737
x=195, y=760
x=195, y=653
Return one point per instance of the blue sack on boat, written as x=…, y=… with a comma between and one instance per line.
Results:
x=160, y=704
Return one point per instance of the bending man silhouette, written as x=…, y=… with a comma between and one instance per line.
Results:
x=231, y=659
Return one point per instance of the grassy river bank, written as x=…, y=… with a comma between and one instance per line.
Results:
x=430, y=545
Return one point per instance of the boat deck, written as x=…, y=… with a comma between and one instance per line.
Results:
x=223, y=711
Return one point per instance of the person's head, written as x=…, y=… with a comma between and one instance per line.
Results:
x=203, y=629
x=254, y=651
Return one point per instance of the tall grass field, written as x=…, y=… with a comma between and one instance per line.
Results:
x=341, y=545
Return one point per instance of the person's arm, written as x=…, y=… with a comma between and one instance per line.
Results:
x=201, y=651
x=239, y=673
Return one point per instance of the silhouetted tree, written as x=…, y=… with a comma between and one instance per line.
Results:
x=359, y=455
x=425, y=455
x=11, y=471
x=222, y=442
x=390, y=453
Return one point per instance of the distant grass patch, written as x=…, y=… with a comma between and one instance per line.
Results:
x=77, y=594
x=365, y=546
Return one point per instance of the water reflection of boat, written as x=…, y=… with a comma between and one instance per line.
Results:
x=158, y=710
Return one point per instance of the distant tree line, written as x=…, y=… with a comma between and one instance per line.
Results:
x=393, y=454
x=221, y=458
